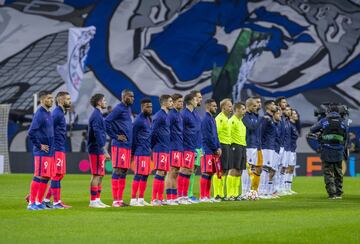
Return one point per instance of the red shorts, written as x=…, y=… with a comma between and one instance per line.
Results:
x=142, y=165
x=176, y=159
x=97, y=164
x=208, y=164
x=161, y=161
x=120, y=157
x=189, y=160
x=44, y=166
x=59, y=163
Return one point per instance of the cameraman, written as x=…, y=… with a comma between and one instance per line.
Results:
x=332, y=139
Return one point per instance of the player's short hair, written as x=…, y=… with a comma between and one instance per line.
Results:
x=277, y=109
x=256, y=97
x=164, y=98
x=42, y=94
x=176, y=96
x=210, y=101
x=125, y=91
x=333, y=108
x=224, y=101
x=249, y=101
x=145, y=100
x=95, y=99
x=238, y=105
x=268, y=102
x=60, y=94
x=278, y=100
x=188, y=98
x=195, y=92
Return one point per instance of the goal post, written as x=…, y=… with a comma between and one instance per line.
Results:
x=4, y=148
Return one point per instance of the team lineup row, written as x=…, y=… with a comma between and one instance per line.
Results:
x=176, y=140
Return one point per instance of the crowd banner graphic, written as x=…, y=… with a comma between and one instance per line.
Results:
x=308, y=51
x=72, y=72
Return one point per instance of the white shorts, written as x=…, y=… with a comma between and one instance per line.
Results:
x=276, y=161
x=285, y=159
x=292, y=161
x=252, y=156
x=281, y=155
x=268, y=158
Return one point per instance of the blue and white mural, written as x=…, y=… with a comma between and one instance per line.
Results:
x=166, y=46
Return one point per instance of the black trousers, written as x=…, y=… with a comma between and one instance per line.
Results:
x=333, y=177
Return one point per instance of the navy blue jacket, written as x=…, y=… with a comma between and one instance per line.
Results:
x=58, y=116
x=278, y=138
x=96, y=139
x=141, y=145
x=119, y=122
x=268, y=131
x=190, y=133
x=282, y=130
x=294, y=136
x=160, y=138
x=210, y=139
x=330, y=153
x=287, y=135
x=199, y=138
x=176, y=130
x=252, y=122
x=41, y=131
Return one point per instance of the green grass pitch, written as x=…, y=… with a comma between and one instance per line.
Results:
x=307, y=217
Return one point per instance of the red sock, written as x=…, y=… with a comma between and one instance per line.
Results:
x=34, y=189
x=161, y=190
x=208, y=190
x=42, y=189
x=174, y=194
x=93, y=192
x=142, y=187
x=155, y=189
x=122, y=183
x=49, y=193
x=99, y=191
x=168, y=194
x=180, y=185
x=203, y=187
x=134, y=188
x=115, y=187
x=56, y=193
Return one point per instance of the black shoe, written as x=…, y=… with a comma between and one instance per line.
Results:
x=224, y=199
x=218, y=198
x=48, y=204
x=231, y=198
x=239, y=198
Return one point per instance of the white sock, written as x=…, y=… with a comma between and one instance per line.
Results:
x=270, y=188
x=282, y=181
x=248, y=183
x=290, y=181
x=244, y=177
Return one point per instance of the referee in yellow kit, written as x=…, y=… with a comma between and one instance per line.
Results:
x=223, y=130
x=237, y=161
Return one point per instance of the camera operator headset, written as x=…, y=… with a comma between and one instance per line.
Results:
x=332, y=138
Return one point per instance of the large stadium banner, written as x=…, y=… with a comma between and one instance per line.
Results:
x=228, y=81
x=72, y=72
x=159, y=47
